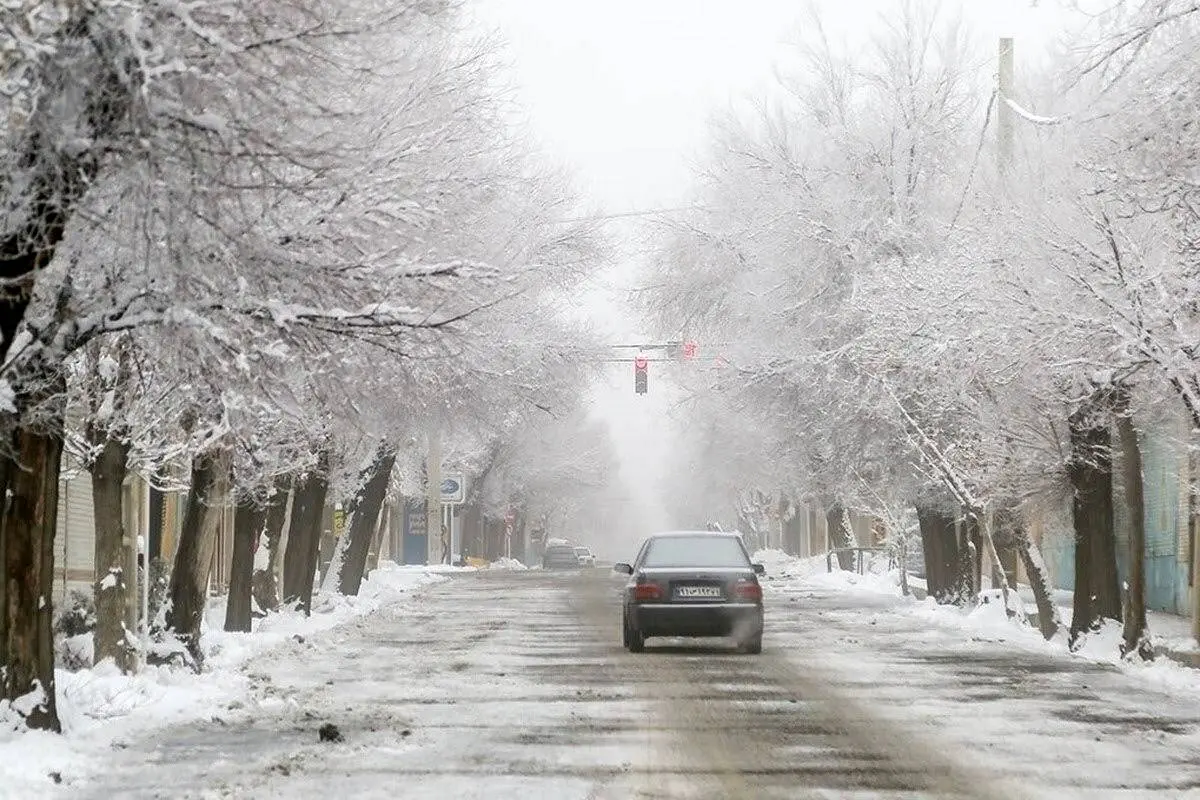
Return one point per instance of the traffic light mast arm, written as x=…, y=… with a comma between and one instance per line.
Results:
x=677, y=350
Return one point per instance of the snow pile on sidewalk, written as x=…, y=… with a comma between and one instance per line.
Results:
x=987, y=620
x=886, y=583
x=789, y=573
x=780, y=566
x=446, y=569
x=387, y=584
x=507, y=563
x=99, y=706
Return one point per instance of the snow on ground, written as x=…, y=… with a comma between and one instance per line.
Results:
x=99, y=706
x=507, y=563
x=446, y=569
x=787, y=573
x=781, y=566
x=790, y=575
x=502, y=684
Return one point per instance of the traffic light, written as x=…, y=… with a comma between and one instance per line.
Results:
x=640, y=366
x=689, y=350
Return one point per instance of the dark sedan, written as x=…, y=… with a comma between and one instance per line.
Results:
x=560, y=556
x=692, y=584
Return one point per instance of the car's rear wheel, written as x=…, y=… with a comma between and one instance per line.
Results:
x=752, y=645
x=633, y=639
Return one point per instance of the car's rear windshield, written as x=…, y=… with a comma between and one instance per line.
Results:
x=695, y=551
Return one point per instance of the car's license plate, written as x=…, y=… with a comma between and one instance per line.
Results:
x=697, y=592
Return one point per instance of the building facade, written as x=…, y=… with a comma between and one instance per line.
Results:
x=1170, y=521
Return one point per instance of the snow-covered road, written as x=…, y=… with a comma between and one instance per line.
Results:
x=508, y=684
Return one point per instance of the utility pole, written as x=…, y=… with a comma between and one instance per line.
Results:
x=1004, y=113
x=433, y=499
x=1196, y=590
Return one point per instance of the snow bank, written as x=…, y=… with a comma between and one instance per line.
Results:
x=789, y=573
x=985, y=621
x=780, y=566
x=507, y=563
x=989, y=621
x=389, y=583
x=445, y=569
x=887, y=583
x=99, y=706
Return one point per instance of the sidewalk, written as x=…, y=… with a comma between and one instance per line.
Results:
x=1177, y=667
x=1172, y=633
x=1048, y=723
x=102, y=710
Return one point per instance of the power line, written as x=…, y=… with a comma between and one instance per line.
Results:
x=649, y=212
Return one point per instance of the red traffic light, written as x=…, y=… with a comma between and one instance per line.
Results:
x=689, y=350
x=640, y=374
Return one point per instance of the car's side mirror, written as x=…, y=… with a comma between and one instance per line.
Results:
x=759, y=569
x=624, y=569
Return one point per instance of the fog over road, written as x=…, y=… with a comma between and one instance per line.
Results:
x=509, y=684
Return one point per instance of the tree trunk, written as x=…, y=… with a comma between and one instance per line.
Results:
x=304, y=535
x=1097, y=596
x=516, y=547
x=837, y=524
x=984, y=523
x=267, y=587
x=364, y=511
x=470, y=531
x=973, y=529
x=946, y=578
x=332, y=542
x=295, y=555
x=248, y=519
x=111, y=640
x=1135, y=635
x=7, y=466
x=382, y=529
x=26, y=630
x=194, y=552
x=299, y=560
x=313, y=556
x=1039, y=582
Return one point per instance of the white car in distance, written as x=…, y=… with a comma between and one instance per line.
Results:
x=585, y=556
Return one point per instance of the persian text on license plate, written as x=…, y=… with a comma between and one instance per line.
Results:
x=690, y=592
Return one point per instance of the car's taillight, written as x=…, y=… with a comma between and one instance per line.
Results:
x=647, y=591
x=748, y=590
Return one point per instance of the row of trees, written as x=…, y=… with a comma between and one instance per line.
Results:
x=933, y=294
x=265, y=249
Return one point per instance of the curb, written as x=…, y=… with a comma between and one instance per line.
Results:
x=1186, y=658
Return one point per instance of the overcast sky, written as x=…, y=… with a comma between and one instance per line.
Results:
x=621, y=91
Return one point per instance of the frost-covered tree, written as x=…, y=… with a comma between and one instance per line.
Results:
x=908, y=322
x=852, y=174
x=284, y=208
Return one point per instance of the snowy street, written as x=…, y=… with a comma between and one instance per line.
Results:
x=341, y=343
x=511, y=684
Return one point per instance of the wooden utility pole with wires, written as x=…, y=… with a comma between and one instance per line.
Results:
x=1004, y=112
